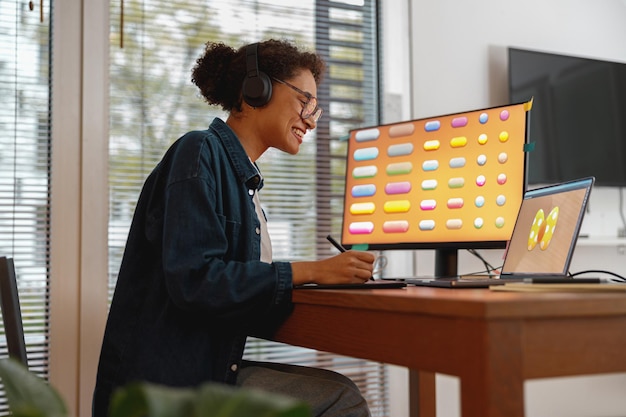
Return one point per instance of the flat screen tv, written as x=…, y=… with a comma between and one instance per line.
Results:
x=447, y=182
x=578, y=123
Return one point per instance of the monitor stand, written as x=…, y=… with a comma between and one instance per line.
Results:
x=446, y=262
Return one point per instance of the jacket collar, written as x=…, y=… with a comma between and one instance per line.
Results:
x=247, y=171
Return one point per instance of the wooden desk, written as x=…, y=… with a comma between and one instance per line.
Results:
x=492, y=341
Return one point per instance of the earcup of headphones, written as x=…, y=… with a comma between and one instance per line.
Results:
x=257, y=90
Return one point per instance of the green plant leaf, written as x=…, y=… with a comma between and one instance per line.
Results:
x=209, y=400
x=143, y=399
x=217, y=400
x=27, y=394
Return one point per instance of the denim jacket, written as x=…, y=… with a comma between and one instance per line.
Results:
x=191, y=286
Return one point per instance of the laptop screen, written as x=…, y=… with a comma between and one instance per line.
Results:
x=547, y=228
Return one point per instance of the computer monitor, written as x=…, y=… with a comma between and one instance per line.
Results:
x=447, y=182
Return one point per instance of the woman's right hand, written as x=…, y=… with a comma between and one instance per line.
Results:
x=345, y=268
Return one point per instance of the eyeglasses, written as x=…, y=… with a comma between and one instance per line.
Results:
x=310, y=110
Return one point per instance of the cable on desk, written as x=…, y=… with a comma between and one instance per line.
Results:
x=488, y=267
x=600, y=271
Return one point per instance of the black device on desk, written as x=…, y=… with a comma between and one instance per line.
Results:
x=371, y=284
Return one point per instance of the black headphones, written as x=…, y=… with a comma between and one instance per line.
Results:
x=257, y=86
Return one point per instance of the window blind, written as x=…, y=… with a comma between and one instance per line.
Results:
x=154, y=45
x=25, y=168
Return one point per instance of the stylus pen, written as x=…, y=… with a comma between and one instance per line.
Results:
x=335, y=243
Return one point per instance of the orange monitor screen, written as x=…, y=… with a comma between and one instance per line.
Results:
x=456, y=179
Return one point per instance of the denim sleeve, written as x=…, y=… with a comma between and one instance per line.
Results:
x=207, y=241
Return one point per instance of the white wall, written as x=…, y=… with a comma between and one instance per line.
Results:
x=459, y=51
x=459, y=63
x=459, y=47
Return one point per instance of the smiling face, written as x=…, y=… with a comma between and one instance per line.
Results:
x=279, y=122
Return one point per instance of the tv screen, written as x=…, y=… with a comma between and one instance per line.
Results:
x=453, y=181
x=578, y=123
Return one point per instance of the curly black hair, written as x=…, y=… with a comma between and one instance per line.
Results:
x=220, y=71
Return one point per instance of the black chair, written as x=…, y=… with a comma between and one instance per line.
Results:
x=11, y=312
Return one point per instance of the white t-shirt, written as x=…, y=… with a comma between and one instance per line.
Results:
x=266, y=243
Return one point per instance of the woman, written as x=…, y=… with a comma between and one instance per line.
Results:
x=197, y=274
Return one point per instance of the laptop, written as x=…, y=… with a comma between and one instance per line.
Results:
x=543, y=239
